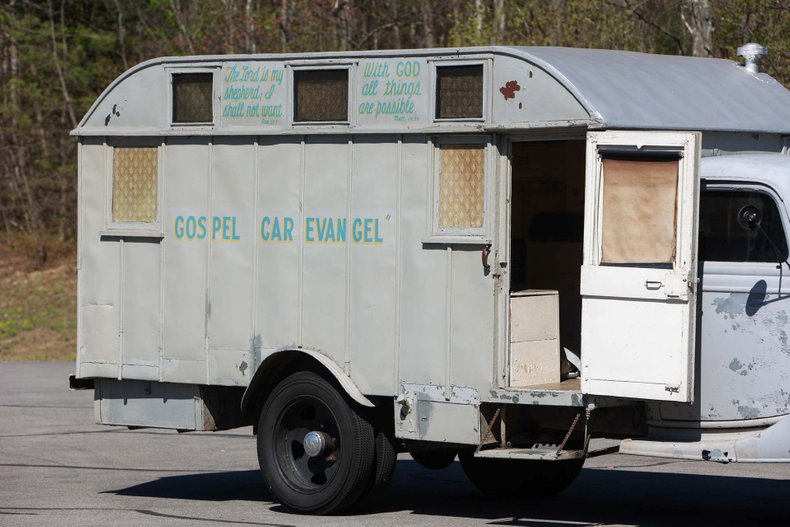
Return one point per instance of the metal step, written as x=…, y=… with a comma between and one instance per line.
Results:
x=538, y=453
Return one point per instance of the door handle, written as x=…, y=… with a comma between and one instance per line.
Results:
x=484, y=258
x=653, y=284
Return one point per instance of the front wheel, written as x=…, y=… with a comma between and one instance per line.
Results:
x=315, y=448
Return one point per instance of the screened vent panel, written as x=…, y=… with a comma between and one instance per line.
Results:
x=459, y=92
x=134, y=185
x=321, y=95
x=461, y=186
x=192, y=94
x=639, y=211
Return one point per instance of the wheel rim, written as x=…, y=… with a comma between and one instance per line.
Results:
x=301, y=471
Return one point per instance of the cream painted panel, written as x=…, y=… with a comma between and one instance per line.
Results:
x=424, y=274
x=232, y=242
x=184, y=281
x=324, y=286
x=100, y=335
x=374, y=266
x=278, y=220
x=98, y=265
x=472, y=320
x=229, y=367
x=141, y=293
x=100, y=258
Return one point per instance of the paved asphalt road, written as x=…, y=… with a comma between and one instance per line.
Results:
x=58, y=468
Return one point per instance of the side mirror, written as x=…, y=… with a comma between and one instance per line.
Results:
x=749, y=217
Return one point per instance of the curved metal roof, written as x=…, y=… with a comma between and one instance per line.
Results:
x=625, y=89
x=618, y=89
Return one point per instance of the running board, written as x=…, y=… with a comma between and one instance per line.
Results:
x=537, y=454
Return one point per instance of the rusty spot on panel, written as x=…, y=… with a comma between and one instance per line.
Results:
x=509, y=89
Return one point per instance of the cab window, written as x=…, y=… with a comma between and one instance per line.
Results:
x=740, y=226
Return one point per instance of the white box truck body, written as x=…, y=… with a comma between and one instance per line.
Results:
x=367, y=251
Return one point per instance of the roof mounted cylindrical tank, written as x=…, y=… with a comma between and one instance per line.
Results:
x=752, y=53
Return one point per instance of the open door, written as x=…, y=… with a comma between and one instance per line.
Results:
x=639, y=277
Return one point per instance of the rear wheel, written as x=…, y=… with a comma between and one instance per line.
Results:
x=434, y=458
x=513, y=477
x=315, y=447
x=386, y=457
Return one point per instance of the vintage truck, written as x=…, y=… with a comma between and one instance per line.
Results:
x=496, y=252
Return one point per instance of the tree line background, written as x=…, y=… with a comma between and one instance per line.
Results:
x=56, y=57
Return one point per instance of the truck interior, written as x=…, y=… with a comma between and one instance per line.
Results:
x=547, y=224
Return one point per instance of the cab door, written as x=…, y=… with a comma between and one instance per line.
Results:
x=639, y=273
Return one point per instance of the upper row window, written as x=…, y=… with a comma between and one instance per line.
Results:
x=321, y=95
x=459, y=92
x=192, y=98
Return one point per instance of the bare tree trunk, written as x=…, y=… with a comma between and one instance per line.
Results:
x=176, y=9
x=121, y=34
x=56, y=59
x=700, y=27
x=285, y=26
x=479, y=12
x=229, y=10
x=396, y=20
x=341, y=11
x=249, y=34
x=499, y=17
x=426, y=16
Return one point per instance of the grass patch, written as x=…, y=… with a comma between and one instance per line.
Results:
x=38, y=301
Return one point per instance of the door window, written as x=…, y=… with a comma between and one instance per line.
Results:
x=639, y=204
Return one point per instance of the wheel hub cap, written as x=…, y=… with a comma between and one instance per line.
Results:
x=316, y=443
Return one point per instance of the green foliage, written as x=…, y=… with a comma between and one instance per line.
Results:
x=38, y=318
x=57, y=56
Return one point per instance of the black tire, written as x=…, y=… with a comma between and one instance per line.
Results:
x=330, y=482
x=513, y=477
x=386, y=457
x=434, y=459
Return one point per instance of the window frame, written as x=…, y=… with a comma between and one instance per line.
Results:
x=714, y=185
x=462, y=235
x=434, y=83
x=132, y=228
x=215, y=90
x=293, y=68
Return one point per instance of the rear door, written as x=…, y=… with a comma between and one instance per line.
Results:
x=639, y=276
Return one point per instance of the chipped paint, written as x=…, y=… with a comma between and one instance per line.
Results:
x=735, y=365
x=748, y=412
x=731, y=306
x=716, y=455
x=114, y=112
